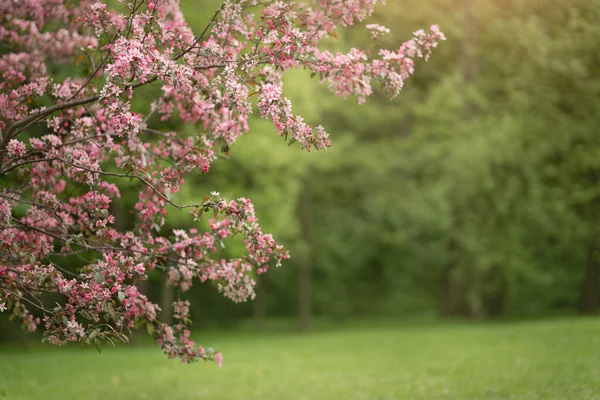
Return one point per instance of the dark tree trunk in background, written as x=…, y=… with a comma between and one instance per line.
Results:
x=305, y=269
x=260, y=302
x=455, y=284
x=143, y=286
x=590, y=288
x=589, y=298
x=304, y=303
x=166, y=299
x=494, y=298
x=454, y=289
x=469, y=49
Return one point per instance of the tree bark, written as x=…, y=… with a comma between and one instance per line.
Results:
x=494, y=299
x=454, y=300
x=454, y=290
x=468, y=56
x=166, y=300
x=305, y=269
x=260, y=303
x=590, y=288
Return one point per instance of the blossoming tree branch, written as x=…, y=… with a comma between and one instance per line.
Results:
x=65, y=142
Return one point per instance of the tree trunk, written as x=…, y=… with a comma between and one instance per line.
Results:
x=495, y=298
x=590, y=288
x=166, y=300
x=468, y=56
x=454, y=290
x=143, y=286
x=304, y=303
x=454, y=301
x=304, y=279
x=260, y=303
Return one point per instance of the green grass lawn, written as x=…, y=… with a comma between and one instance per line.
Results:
x=557, y=359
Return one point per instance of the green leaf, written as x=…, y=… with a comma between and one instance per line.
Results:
x=98, y=345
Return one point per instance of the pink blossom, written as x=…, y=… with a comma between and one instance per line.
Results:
x=377, y=30
x=5, y=211
x=92, y=132
x=15, y=148
x=219, y=359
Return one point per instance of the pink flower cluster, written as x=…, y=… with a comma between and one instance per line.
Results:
x=68, y=146
x=290, y=126
x=377, y=30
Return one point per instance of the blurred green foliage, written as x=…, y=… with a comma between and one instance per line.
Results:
x=474, y=193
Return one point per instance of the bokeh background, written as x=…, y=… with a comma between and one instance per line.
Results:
x=443, y=248
x=474, y=194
